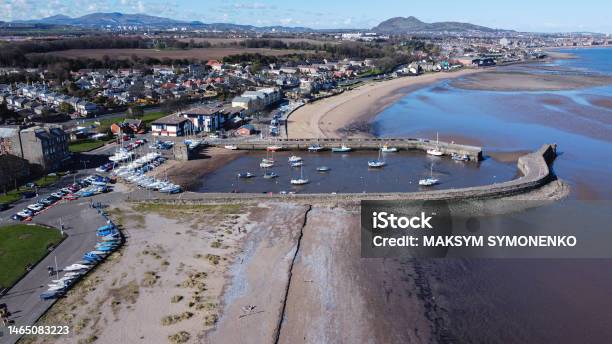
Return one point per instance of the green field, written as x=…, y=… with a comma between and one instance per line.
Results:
x=10, y=197
x=85, y=145
x=46, y=180
x=21, y=245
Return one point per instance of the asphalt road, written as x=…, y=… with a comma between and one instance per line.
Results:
x=80, y=222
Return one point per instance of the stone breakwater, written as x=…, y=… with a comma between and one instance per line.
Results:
x=535, y=174
x=475, y=153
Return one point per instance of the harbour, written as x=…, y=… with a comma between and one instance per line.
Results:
x=350, y=173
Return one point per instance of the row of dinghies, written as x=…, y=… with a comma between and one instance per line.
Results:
x=109, y=240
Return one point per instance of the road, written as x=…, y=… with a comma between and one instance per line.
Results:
x=80, y=222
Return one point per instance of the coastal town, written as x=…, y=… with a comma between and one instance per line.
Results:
x=182, y=182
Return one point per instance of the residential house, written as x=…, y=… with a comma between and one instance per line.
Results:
x=172, y=125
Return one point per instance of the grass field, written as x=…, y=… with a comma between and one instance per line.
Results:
x=85, y=145
x=219, y=40
x=201, y=54
x=21, y=245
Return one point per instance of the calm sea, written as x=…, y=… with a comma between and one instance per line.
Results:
x=579, y=121
x=524, y=301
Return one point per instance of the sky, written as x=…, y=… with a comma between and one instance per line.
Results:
x=520, y=15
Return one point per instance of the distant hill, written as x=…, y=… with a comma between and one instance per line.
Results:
x=103, y=19
x=142, y=20
x=399, y=25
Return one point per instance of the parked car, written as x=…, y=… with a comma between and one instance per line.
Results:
x=36, y=207
x=18, y=217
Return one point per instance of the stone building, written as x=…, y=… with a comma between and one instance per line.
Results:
x=44, y=147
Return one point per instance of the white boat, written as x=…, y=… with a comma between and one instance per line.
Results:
x=341, y=149
x=435, y=151
x=266, y=164
x=75, y=267
x=315, y=148
x=301, y=180
x=231, y=147
x=270, y=175
x=294, y=158
x=387, y=149
x=323, y=169
x=429, y=181
x=459, y=157
x=297, y=164
x=378, y=163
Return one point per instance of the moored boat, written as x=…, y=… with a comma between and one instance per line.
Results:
x=315, y=148
x=341, y=149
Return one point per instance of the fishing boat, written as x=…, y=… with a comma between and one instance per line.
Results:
x=378, y=163
x=387, y=149
x=323, y=169
x=315, y=147
x=429, y=181
x=297, y=164
x=270, y=175
x=342, y=149
x=294, y=158
x=231, y=147
x=245, y=175
x=459, y=157
x=435, y=151
x=301, y=180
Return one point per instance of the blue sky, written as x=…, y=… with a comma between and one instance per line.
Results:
x=531, y=15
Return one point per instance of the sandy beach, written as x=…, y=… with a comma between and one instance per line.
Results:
x=326, y=117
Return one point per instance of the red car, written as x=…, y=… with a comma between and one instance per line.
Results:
x=71, y=197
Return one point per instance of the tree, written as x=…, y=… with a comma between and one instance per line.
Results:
x=66, y=108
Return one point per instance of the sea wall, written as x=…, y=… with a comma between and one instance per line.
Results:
x=534, y=167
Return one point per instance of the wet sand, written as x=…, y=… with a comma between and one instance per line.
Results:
x=326, y=117
x=517, y=81
x=188, y=174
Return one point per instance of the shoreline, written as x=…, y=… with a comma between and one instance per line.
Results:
x=324, y=118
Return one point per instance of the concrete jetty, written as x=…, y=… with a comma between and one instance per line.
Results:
x=473, y=152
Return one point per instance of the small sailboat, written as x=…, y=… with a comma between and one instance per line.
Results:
x=297, y=164
x=378, y=163
x=270, y=175
x=266, y=164
x=429, y=181
x=301, y=180
x=460, y=157
x=245, y=175
x=294, y=158
x=435, y=151
x=387, y=149
x=323, y=169
x=342, y=149
x=315, y=147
